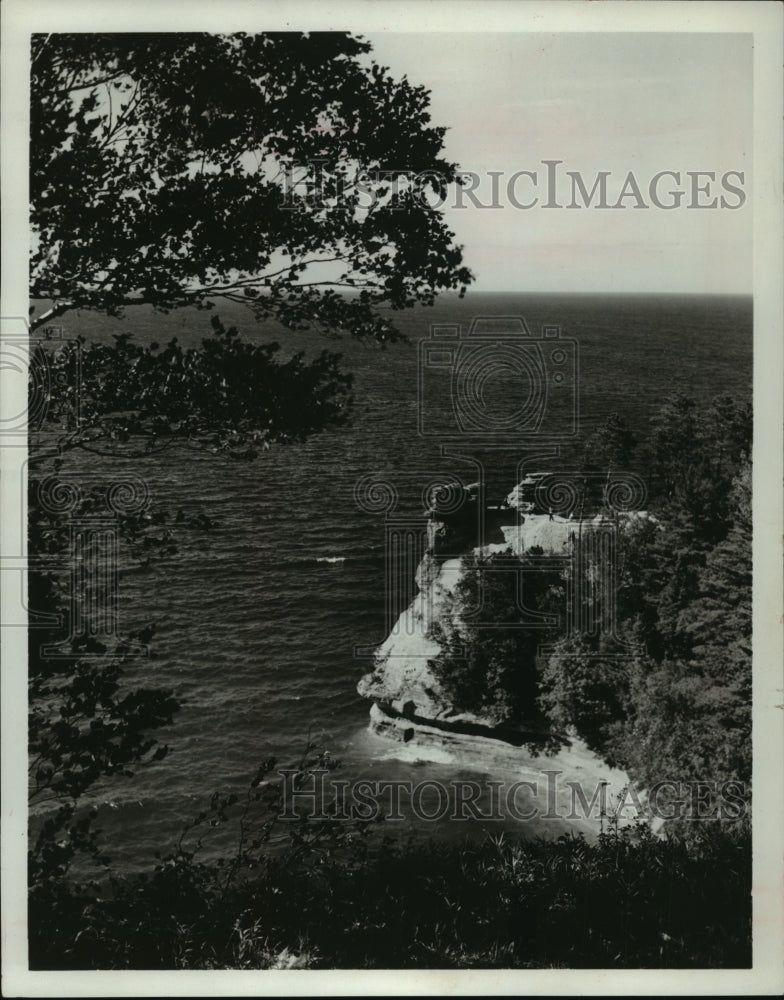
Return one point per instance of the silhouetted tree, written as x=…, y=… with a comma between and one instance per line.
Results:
x=611, y=447
x=285, y=171
x=167, y=169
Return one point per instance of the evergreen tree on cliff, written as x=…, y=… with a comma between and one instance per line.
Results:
x=680, y=708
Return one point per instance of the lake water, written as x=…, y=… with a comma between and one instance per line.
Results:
x=260, y=617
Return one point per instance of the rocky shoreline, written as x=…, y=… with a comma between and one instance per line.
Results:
x=410, y=707
x=402, y=680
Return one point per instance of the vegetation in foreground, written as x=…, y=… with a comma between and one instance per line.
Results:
x=340, y=898
x=160, y=233
x=344, y=897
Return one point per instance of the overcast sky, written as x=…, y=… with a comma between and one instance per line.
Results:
x=615, y=102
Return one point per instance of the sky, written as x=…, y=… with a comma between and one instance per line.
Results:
x=640, y=103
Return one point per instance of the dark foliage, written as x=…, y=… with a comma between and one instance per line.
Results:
x=225, y=396
x=629, y=901
x=680, y=708
x=158, y=172
x=328, y=895
x=189, y=144
x=610, y=447
x=85, y=721
x=490, y=668
x=184, y=143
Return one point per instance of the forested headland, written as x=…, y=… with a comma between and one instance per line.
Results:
x=344, y=895
x=157, y=167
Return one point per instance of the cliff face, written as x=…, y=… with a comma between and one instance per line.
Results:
x=401, y=678
x=402, y=682
x=410, y=706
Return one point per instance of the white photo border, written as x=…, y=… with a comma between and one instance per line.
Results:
x=763, y=20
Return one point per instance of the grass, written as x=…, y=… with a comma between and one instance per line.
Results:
x=631, y=900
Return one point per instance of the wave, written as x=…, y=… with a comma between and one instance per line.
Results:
x=367, y=557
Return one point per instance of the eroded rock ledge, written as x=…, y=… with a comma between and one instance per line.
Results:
x=406, y=693
x=403, y=726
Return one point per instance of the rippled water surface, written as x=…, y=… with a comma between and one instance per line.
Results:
x=260, y=616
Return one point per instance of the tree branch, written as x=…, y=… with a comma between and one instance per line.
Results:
x=71, y=88
x=58, y=310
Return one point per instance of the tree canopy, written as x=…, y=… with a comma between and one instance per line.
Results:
x=161, y=173
x=680, y=707
x=286, y=171
x=227, y=395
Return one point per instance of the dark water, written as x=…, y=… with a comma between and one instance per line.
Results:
x=260, y=617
